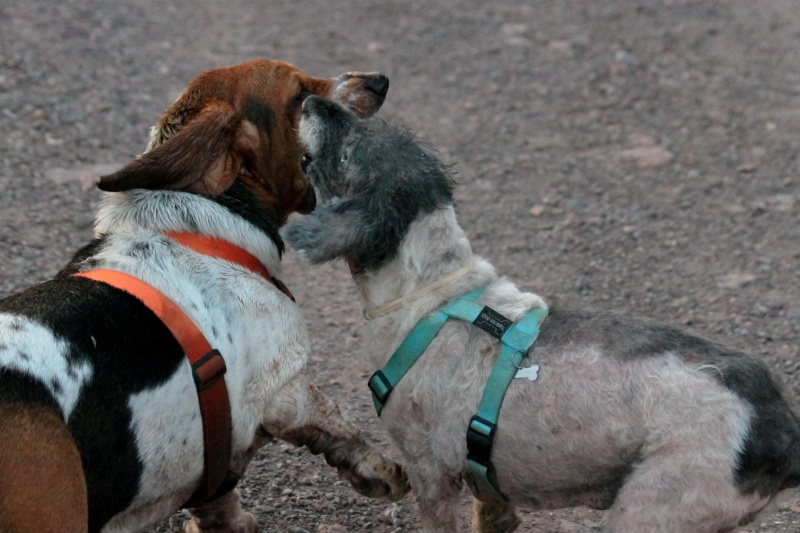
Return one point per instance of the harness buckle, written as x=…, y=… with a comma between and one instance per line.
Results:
x=381, y=388
x=480, y=435
x=208, y=369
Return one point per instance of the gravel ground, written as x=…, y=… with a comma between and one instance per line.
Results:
x=635, y=155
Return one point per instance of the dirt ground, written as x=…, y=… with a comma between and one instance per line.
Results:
x=639, y=155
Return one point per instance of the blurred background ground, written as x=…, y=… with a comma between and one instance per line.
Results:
x=635, y=155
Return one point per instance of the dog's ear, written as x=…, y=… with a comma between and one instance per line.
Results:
x=201, y=157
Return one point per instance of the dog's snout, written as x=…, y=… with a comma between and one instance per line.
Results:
x=378, y=84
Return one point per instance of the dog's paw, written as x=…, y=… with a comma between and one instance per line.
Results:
x=299, y=235
x=375, y=476
x=325, y=234
x=221, y=515
x=242, y=523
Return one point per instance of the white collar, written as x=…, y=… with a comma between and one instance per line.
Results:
x=394, y=305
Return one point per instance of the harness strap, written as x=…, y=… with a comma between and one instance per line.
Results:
x=208, y=365
x=383, y=381
x=221, y=249
x=208, y=369
x=517, y=340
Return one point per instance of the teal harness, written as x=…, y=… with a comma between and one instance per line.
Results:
x=517, y=340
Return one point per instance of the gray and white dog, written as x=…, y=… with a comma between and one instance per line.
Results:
x=671, y=432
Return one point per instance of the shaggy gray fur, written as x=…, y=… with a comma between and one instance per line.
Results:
x=673, y=432
x=374, y=178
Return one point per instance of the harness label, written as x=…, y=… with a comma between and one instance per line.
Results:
x=492, y=322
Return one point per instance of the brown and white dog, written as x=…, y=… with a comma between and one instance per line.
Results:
x=671, y=432
x=99, y=414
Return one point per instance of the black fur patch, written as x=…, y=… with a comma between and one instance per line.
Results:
x=259, y=113
x=16, y=387
x=239, y=200
x=130, y=351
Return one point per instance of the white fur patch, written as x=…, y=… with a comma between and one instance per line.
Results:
x=258, y=330
x=169, y=437
x=309, y=133
x=158, y=211
x=33, y=349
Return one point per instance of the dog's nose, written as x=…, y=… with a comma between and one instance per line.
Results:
x=378, y=84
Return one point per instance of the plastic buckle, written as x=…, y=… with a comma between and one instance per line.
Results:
x=381, y=388
x=208, y=369
x=480, y=434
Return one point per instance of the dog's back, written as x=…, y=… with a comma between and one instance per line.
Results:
x=108, y=369
x=769, y=458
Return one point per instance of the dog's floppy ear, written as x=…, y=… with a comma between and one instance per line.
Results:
x=201, y=157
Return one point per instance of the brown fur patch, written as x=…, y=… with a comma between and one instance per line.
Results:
x=42, y=486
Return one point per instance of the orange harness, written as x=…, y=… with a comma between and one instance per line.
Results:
x=208, y=365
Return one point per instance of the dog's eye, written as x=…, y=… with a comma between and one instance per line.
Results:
x=344, y=158
x=305, y=161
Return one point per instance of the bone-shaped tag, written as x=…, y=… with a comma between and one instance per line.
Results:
x=530, y=372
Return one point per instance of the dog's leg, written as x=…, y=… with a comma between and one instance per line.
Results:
x=680, y=491
x=222, y=515
x=437, y=496
x=302, y=415
x=42, y=486
x=493, y=517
